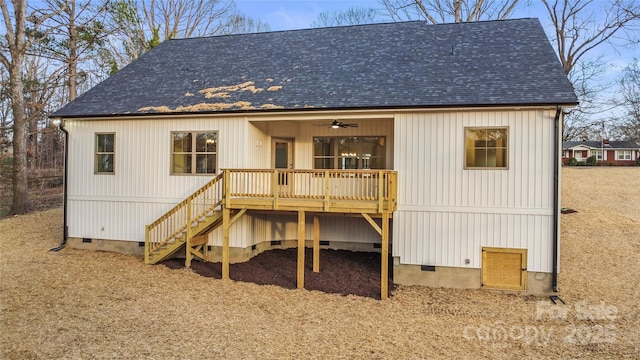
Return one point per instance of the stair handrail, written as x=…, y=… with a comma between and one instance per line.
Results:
x=175, y=221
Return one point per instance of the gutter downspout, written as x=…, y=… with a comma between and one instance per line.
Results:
x=556, y=197
x=64, y=197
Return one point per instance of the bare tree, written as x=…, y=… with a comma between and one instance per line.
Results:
x=77, y=33
x=41, y=82
x=630, y=102
x=441, y=11
x=6, y=120
x=584, y=122
x=241, y=24
x=21, y=33
x=144, y=24
x=579, y=27
x=350, y=16
x=12, y=57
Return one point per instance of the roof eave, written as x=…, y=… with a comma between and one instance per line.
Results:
x=332, y=109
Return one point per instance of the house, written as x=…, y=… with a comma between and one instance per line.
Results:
x=439, y=144
x=623, y=153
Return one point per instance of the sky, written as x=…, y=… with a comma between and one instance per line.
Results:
x=295, y=14
x=299, y=14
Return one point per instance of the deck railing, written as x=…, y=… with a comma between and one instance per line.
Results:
x=175, y=221
x=372, y=186
x=359, y=185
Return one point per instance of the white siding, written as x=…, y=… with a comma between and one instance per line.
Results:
x=332, y=228
x=446, y=213
x=258, y=147
x=117, y=207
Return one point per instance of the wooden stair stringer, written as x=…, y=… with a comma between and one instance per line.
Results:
x=168, y=250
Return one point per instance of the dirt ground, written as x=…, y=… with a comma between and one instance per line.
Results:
x=342, y=272
x=82, y=304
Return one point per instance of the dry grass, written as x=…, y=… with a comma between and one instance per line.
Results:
x=81, y=304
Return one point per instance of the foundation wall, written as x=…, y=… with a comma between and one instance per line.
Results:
x=538, y=283
x=123, y=247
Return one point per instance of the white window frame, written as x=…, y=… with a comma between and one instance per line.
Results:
x=622, y=155
x=99, y=154
x=597, y=154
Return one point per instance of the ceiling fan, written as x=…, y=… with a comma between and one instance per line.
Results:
x=337, y=124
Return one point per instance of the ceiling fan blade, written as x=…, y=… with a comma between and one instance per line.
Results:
x=336, y=124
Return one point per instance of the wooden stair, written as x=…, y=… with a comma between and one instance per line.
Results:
x=199, y=229
x=186, y=225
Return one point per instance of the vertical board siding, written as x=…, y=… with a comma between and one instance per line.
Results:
x=258, y=146
x=142, y=187
x=332, y=228
x=448, y=238
x=446, y=214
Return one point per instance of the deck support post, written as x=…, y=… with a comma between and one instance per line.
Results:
x=384, y=272
x=316, y=244
x=301, y=249
x=226, y=223
x=147, y=245
x=188, y=255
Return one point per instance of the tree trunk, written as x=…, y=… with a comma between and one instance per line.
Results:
x=73, y=52
x=20, y=203
x=17, y=44
x=32, y=132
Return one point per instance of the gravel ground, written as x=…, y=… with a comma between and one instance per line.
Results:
x=82, y=304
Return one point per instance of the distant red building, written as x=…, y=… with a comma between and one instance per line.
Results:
x=621, y=153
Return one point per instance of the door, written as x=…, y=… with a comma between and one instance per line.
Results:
x=282, y=158
x=504, y=269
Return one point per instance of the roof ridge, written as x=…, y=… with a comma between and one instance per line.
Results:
x=466, y=23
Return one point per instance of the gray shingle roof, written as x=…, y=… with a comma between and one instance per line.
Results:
x=395, y=65
x=598, y=144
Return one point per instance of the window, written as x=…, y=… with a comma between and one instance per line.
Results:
x=486, y=148
x=565, y=154
x=105, y=153
x=624, y=154
x=353, y=152
x=194, y=152
x=597, y=154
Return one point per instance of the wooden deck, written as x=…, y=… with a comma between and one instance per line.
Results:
x=222, y=201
